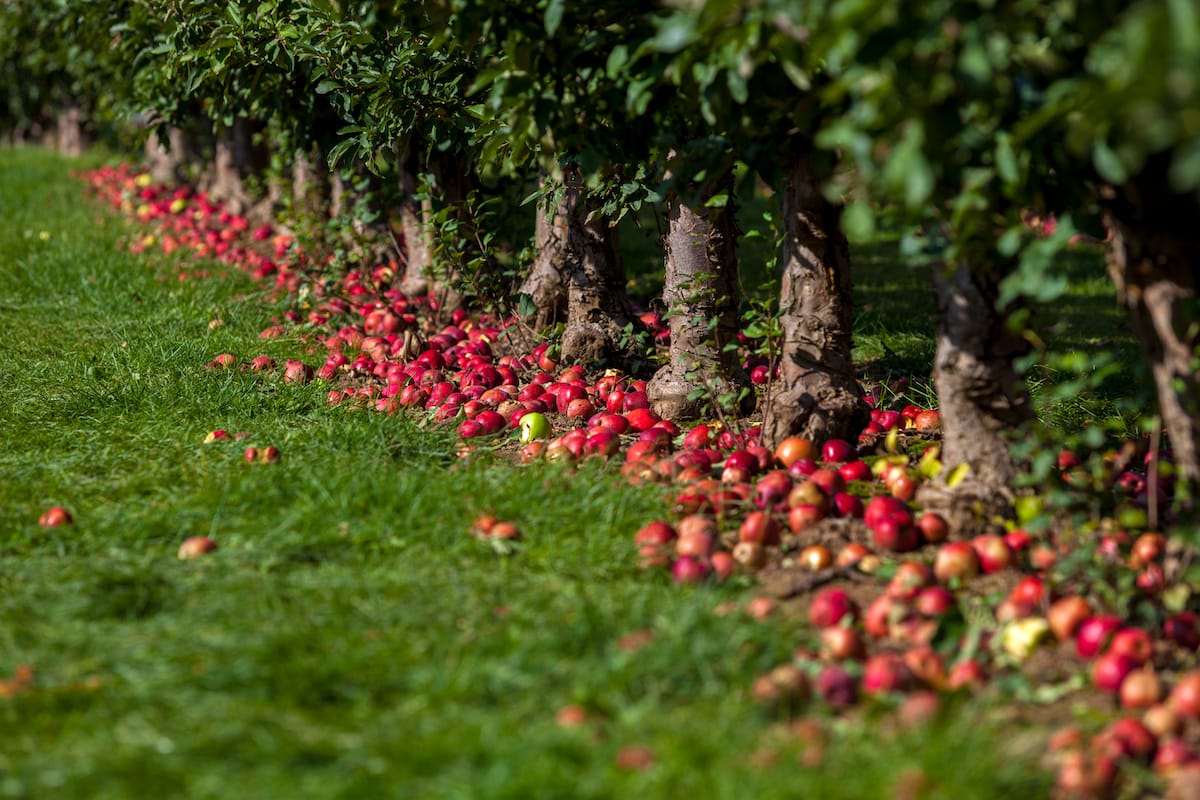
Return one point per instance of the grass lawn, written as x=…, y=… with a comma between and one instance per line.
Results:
x=349, y=639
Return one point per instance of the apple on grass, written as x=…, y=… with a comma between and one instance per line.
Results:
x=54, y=517
x=195, y=547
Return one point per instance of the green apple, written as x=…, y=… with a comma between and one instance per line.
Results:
x=533, y=426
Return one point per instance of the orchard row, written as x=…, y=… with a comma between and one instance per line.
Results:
x=420, y=126
x=900, y=601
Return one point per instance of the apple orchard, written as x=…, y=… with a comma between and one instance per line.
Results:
x=629, y=233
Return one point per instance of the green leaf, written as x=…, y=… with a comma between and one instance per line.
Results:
x=554, y=16
x=737, y=87
x=1108, y=163
x=617, y=60
x=1185, y=168
x=858, y=222
x=676, y=33
x=800, y=78
x=717, y=200
x=1006, y=159
x=1010, y=242
x=525, y=305
x=908, y=172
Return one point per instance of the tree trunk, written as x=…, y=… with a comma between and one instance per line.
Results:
x=700, y=262
x=165, y=161
x=546, y=282
x=47, y=134
x=237, y=158
x=71, y=138
x=309, y=185
x=417, y=245
x=981, y=397
x=452, y=184
x=1154, y=259
x=597, y=309
x=817, y=396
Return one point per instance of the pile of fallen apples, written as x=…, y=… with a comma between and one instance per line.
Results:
x=899, y=603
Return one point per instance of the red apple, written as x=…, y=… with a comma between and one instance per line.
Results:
x=1146, y=549
x=689, y=570
x=848, y=505
x=878, y=617
x=934, y=601
x=851, y=554
x=750, y=555
x=1185, y=697
x=1066, y=614
x=1029, y=590
x=837, y=686
x=816, y=557
x=933, y=526
x=994, y=553
x=886, y=672
x=1141, y=688
x=1110, y=669
x=968, y=674
x=804, y=516
x=830, y=606
x=891, y=534
x=840, y=643
x=830, y=481
x=1182, y=629
x=1134, y=643
x=1093, y=634
x=855, y=471
x=882, y=506
x=793, y=448
x=910, y=578
x=698, y=437
x=956, y=561
x=196, y=546
x=837, y=451
x=759, y=526
x=928, y=420
x=54, y=517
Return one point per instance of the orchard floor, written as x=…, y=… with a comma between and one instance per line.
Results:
x=348, y=638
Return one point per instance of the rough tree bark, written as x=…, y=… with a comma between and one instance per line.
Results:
x=317, y=191
x=237, y=158
x=546, y=282
x=700, y=264
x=981, y=397
x=817, y=396
x=452, y=182
x=166, y=162
x=1154, y=260
x=597, y=308
x=418, y=246
x=310, y=184
x=72, y=139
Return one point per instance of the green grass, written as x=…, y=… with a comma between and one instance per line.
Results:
x=348, y=639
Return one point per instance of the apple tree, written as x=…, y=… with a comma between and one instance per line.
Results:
x=742, y=69
x=964, y=115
